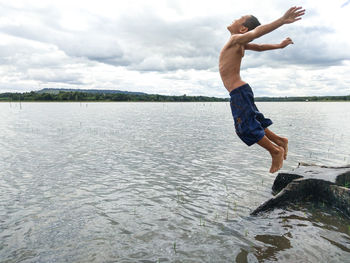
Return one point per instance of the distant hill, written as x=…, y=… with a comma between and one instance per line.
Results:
x=56, y=91
x=98, y=95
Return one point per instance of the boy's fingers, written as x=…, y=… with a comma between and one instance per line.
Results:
x=298, y=10
x=295, y=8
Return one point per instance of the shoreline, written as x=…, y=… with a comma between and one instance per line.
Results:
x=101, y=101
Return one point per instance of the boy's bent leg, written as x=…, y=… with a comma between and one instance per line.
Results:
x=280, y=141
x=276, y=152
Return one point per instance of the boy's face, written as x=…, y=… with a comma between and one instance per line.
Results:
x=237, y=24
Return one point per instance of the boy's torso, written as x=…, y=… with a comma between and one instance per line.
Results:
x=230, y=63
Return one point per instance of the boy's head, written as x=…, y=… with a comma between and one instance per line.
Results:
x=243, y=24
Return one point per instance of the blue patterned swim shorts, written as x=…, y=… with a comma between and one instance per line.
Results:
x=249, y=122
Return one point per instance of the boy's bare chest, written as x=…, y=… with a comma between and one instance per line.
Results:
x=231, y=56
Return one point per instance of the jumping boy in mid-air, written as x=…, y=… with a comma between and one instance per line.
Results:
x=250, y=124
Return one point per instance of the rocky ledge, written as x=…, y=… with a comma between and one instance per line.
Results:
x=311, y=182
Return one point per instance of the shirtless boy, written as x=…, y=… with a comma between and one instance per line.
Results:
x=250, y=124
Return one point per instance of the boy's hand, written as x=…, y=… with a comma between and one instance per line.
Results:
x=286, y=42
x=293, y=14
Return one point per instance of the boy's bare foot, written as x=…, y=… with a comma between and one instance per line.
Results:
x=277, y=159
x=284, y=143
x=280, y=141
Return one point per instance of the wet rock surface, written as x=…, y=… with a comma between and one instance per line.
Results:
x=311, y=182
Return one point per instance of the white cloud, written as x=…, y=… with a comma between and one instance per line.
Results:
x=299, y=80
x=168, y=47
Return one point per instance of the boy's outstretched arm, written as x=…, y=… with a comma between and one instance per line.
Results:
x=263, y=47
x=293, y=14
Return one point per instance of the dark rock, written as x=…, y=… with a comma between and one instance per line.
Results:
x=311, y=182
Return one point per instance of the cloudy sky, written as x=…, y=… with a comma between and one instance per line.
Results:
x=169, y=47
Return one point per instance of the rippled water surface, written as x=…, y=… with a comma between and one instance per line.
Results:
x=161, y=182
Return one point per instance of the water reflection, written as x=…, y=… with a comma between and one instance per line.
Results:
x=273, y=245
x=302, y=224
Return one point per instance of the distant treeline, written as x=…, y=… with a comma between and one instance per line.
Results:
x=311, y=98
x=85, y=96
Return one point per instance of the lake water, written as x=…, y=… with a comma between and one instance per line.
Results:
x=161, y=182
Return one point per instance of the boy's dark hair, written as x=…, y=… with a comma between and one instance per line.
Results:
x=251, y=23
